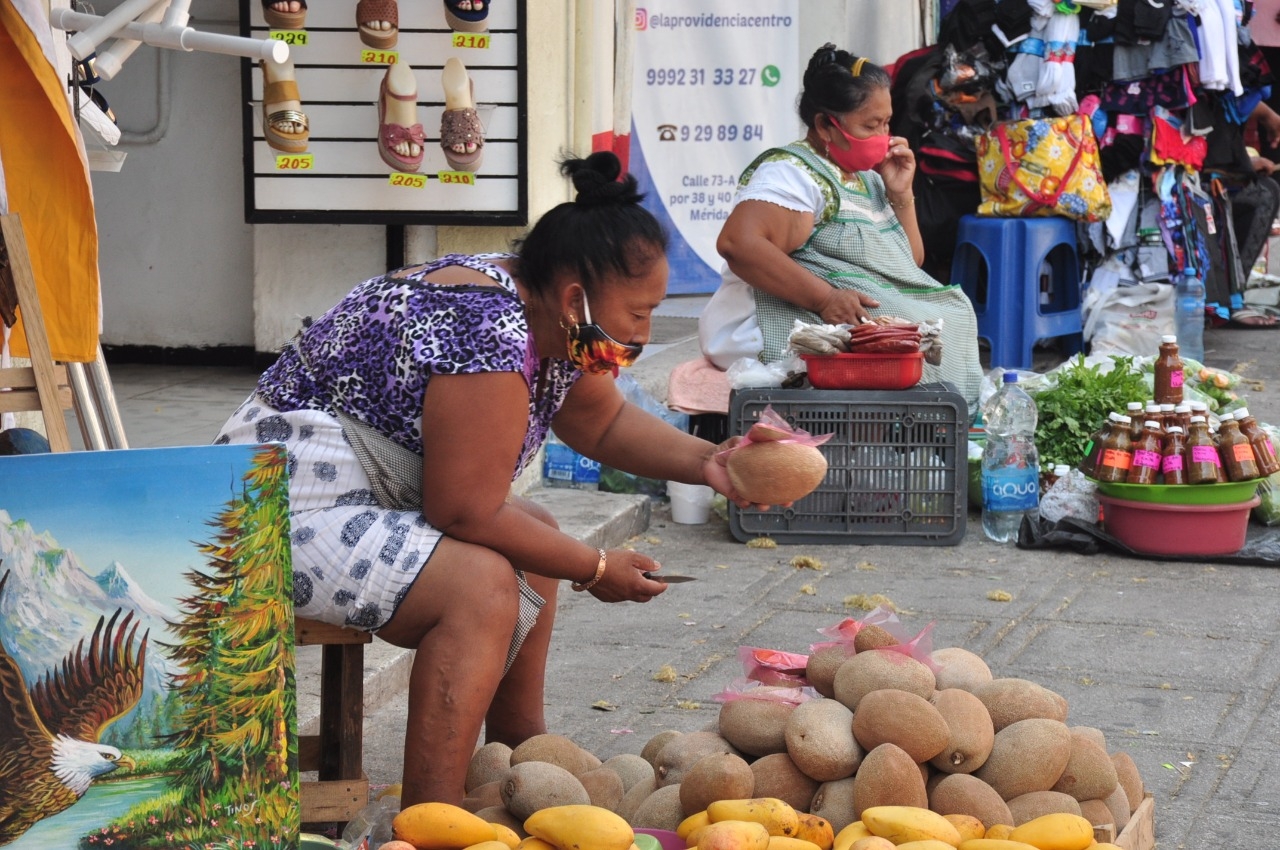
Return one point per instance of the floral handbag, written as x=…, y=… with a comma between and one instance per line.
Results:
x=1042, y=167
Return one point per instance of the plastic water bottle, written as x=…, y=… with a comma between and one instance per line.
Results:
x=1010, y=462
x=1189, y=311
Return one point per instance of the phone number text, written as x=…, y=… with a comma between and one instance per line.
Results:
x=701, y=77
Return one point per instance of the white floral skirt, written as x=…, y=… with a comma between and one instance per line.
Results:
x=353, y=560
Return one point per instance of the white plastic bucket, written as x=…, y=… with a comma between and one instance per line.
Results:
x=690, y=503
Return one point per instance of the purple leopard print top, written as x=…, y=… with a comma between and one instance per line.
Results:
x=374, y=352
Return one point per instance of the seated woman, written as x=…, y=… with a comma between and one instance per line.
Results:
x=410, y=407
x=824, y=230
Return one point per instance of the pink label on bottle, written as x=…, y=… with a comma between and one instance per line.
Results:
x=1205, y=454
x=1271, y=450
x=1172, y=463
x=1175, y=378
x=1149, y=459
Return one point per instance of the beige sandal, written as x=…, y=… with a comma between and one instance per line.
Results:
x=281, y=91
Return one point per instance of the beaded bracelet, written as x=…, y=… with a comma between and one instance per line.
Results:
x=904, y=204
x=587, y=585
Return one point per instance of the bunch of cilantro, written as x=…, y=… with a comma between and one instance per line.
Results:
x=1079, y=403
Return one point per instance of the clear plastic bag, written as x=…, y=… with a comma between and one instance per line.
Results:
x=1072, y=495
x=371, y=826
x=748, y=372
x=750, y=689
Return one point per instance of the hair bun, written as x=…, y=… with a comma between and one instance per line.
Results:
x=596, y=180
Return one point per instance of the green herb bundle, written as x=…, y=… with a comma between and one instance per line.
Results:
x=1078, y=404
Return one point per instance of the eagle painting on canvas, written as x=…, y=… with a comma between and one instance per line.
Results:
x=146, y=650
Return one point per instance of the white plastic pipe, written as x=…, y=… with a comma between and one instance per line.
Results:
x=83, y=44
x=180, y=38
x=112, y=59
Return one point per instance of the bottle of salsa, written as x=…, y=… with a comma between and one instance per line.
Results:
x=1236, y=451
x=1116, y=454
x=1172, y=464
x=1263, y=449
x=1203, y=462
x=1093, y=449
x=1145, y=467
x=1168, y=372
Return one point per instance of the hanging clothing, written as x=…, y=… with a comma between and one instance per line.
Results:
x=44, y=178
x=857, y=243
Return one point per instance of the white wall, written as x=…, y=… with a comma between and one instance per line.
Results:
x=180, y=268
x=175, y=253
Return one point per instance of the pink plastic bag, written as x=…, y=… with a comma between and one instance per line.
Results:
x=773, y=428
x=773, y=666
x=918, y=646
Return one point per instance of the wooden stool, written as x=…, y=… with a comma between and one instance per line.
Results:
x=337, y=752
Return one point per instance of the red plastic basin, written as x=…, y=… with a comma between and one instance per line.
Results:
x=1156, y=529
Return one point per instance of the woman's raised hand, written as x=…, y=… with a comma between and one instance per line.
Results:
x=623, y=579
x=846, y=307
x=898, y=168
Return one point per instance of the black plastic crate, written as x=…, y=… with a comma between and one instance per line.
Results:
x=897, y=469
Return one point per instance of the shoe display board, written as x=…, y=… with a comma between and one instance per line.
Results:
x=387, y=113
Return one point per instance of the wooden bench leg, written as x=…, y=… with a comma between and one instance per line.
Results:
x=342, y=711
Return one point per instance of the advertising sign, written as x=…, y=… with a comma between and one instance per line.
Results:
x=715, y=85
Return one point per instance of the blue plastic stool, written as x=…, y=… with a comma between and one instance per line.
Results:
x=1023, y=277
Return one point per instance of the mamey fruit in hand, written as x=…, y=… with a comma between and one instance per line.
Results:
x=440, y=826
x=774, y=473
x=580, y=828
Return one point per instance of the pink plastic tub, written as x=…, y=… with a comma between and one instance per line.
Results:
x=668, y=839
x=1156, y=529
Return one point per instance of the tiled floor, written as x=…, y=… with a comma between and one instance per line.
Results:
x=173, y=405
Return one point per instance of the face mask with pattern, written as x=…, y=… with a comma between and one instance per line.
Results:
x=593, y=351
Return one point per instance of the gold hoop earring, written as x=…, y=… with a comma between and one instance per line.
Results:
x=572, y=327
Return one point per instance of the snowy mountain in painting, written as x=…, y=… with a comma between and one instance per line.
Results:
x=51, y=602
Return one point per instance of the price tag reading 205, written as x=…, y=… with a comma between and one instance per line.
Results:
x=295, y=162
x=297, y=38
x=457, y=178
x=409, y=181
x=480, y=41
x=379, y=57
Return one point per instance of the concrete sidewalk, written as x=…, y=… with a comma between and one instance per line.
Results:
x=1175, y=662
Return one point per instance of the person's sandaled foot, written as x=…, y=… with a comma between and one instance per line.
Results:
x=284, y=124
x=400, y=136
x=1246, y=318
x=285, y=14
x=378, y=22
x=467, y=15
x=461, y=133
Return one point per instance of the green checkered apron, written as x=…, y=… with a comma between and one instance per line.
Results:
x=859, y=244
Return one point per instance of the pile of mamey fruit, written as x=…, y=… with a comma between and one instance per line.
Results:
x=871, y=725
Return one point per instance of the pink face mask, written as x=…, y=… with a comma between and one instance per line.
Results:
x=862, y=154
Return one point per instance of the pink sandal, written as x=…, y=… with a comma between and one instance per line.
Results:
x=390, y=135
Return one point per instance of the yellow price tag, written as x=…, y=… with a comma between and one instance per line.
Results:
x=464, y=178
x=478, y=40
x=295, y=162
x=379, y=57
x=411, y=181
x=296, y=38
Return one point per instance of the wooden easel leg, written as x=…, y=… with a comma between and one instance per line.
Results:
x=37, y=340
